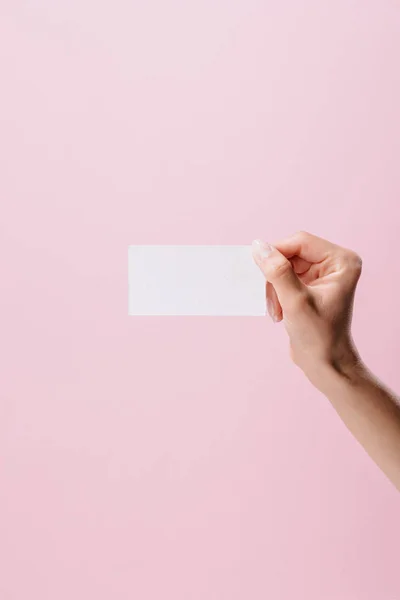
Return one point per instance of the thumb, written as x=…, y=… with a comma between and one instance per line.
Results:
x=279, y=272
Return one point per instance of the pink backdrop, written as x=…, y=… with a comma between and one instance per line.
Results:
x=186, y=458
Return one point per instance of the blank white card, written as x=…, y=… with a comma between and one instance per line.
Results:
x=195, y=280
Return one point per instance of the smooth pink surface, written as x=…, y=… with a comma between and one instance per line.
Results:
x=186, y=458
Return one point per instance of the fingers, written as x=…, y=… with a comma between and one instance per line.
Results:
x=279, y=273
x=306, y=251
x=309, y=247
x=300, y=265
x=294, y=263
x=352, y=267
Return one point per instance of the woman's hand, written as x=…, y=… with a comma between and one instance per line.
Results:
x=310, y=286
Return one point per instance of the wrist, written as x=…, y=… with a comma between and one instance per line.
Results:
x=345, y=367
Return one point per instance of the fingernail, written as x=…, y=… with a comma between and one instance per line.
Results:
x=271, y=311
x=261, y=249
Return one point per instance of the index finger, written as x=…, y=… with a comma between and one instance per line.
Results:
x=309, y=247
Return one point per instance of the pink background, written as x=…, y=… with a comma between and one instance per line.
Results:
x=186, y=458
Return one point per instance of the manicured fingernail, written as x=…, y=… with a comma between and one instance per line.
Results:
x=271, y=311
x=261, y=249
x=270, y=308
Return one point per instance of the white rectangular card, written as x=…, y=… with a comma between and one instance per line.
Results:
x=195, y=280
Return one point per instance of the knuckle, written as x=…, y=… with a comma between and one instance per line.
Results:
x=281, y=268
x=353, y=262
x=302, y=235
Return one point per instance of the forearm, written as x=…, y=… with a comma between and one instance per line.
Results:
x=369, y=410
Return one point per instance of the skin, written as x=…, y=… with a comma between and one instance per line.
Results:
x=310, y=287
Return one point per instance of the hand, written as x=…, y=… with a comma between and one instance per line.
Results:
x=310, y=286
